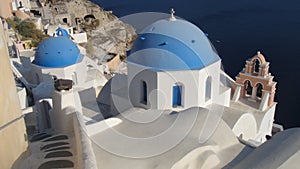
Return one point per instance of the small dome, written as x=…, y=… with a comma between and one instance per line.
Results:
x=172, y=45
x=62, y=32
x=57, y=52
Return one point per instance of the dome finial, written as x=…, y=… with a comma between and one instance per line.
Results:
x=172, y=18
x=258, y=53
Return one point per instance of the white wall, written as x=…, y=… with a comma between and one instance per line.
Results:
x=266, y=124
x=79, y=37
x=25, y=3
x=65, y=103
x=160, y=87
x=246, y=126
x=84, y=151
x=190, y=90
x=22, y=97
x=136, y=76
x=44, y=74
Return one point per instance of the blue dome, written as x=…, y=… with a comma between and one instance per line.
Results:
x=172, y=45
x=56, y=52
x=62, y=32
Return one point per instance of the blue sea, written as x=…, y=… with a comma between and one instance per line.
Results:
x=238, y=29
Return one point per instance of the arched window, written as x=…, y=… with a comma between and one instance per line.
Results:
x=248, y=88
x=177, y=95
x=257, y=64
x=144, y=92
x=208, y=88
x=259, y=90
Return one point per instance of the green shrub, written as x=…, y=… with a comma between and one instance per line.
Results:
x=28, y=30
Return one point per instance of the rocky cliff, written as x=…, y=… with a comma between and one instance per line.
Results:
x=106, y=33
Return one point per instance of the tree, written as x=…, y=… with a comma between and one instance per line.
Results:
x=28, y=31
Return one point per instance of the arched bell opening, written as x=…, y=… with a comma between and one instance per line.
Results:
x=248, y=88
x=259, y=88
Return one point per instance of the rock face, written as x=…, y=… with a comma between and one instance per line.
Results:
x=81, y=10
x=114, y=37
x=106, y=33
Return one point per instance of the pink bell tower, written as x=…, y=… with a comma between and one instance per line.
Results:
x=254, y=83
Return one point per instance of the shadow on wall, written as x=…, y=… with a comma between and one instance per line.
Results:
x=104, y=101
x=246, y=151
x=21, y=158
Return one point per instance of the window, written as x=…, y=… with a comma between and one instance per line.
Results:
x=208, y=89
x=177, y=95
x=144, y=97
x=257, y=65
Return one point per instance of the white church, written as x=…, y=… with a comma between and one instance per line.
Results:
x=172, y=69
x=175, y=108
